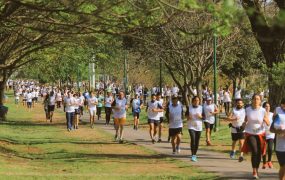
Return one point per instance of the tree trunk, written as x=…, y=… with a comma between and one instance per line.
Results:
x=234, y=88
x=199, y=88
x=2, y=91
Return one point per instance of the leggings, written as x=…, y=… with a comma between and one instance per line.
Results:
x=255, y=147
x=227, y=107
x=195, y=138
x=108, y=111
x=99, y=109
x=270, y=143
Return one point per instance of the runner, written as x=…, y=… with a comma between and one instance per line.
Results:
x=24, y=95
x=58, y=98
x=153, y=108
x=100, y=99
x=51, y=105
x=69, y=102
x=210, y=110
x=136, y=108
x=17, y=98
x=161, y=115
x=255, y=142
x=277, y=127
x=81, y=104
x=108, y=107
x=227, y=101
x=76, y=104
x=29, y=98
x=269, y=138
x=45, y=102
x=237, y=118
x=120, y=107
x=174, y=115
x=195, y=125
x=92, y=102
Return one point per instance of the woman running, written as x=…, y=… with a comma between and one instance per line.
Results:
x=195, y=125
x=174, y=115
x=100, y=99
x=254, y=124
x=92, y=103
x=51, y=105
x=269, y=138
x=108, y=107
x=210, y=110
x=46, y=106
x=278, y=127
x=76, y=110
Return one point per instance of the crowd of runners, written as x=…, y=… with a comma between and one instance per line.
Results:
x=254, y=127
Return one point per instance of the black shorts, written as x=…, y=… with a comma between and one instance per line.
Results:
x=77, y=111
x=161, y=119
x=155, y=122
x=34, y=99
x=281, y=158
x=237, y=136
x=208, y=125
x=50, y=108
x=175, y=131
x=29, y=104
x=136, y=114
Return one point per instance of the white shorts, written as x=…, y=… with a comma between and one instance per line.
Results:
x=92, y=111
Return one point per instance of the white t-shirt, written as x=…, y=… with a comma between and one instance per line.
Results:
x=161, y=114
x=255, y=118
x=240, y=115
x=238, y=94
x=195, y=123
x=81, y=100
x=52, y=100
x=269, y=135
x=69, y=104
x=175, y=116
x=77, y=102
x=29, y=97
x=121, y=105
x=280, y=139
x=17, y=95
x=208, y=109
x=227, y=97
x=150, y=114
x=91, y=102
x=58, y=96
x=108, y=101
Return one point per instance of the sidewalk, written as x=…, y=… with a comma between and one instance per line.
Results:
x=215, y=162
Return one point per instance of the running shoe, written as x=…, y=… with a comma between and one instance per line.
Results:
x=255, y=176
x=240, y=159
x=232, y=154
x=116, y=137
x=208, y=143
x=264, y=166
x=159, y=140
x=153, y=141
x=121, y=141
x=270, y=165
x=173, y=152
x=178, y=149
x=194, y=158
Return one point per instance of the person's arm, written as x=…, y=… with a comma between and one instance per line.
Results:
x=167, y=114
x=159, y=108
x=216, y=111
x=273, y=129
x=266, y=119
x=245, y=122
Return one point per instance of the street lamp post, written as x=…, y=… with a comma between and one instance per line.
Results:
x=125, y=72
x=217, y=122
x=160, y=76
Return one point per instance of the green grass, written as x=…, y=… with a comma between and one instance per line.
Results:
x=30, y=148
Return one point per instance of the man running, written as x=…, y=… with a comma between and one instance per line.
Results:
x=237, y=118
x=174, y=115
x=153, y=108
x=120, y=106
x=136, y=107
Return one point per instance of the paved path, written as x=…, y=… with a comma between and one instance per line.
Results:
x=215, y=162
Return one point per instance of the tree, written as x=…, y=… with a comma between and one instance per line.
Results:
x=30, y=26
x=269, y=32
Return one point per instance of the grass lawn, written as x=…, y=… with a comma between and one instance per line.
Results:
x=31, y=148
